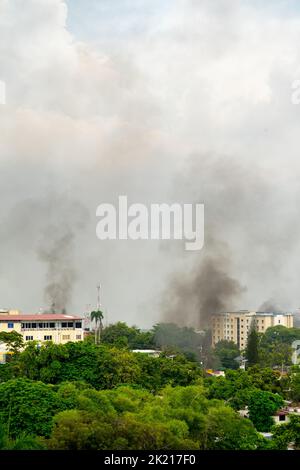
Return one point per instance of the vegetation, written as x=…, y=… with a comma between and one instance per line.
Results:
x=122, y=335
x=262, y=406
x=227, y=352
x=97, y=316
x=287, y=434
x=13, y=341
x=103, y=396
x=252, y=354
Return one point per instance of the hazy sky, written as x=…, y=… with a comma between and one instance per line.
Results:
x=163, y=101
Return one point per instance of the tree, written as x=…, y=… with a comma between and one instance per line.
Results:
x=295, y=386
x=21, y=442
x=28, y=407
x=252, y=346
x=122, y=335
x=43, y=362
x=262, y=406
x=13, y=341
x=185, y=339
x=266, y=379
x=275, y=346
x=280, y=334
x=97, y=316
x=287, y=434
x=225, y=430
x=227, y=352
x=77, y=429
x=80, y=430
x=278, y=354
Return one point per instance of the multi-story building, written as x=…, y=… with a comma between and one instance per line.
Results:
x=235, y=326
x=59, y=328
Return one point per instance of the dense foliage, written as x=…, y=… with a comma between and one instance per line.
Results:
x=103, y=396
x=252, y=354
x=227, y=352
x=122, y=335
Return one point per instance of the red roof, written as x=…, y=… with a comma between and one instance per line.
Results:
x=39, y=317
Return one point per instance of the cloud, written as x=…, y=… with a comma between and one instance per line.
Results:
x=193, y=105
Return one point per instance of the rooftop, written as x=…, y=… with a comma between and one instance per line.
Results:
x=38, y=317
x=252, y=312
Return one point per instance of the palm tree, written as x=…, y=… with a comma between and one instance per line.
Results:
x=97, y=316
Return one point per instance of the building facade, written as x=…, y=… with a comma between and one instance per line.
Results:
x=58, y=328
x=235, y=326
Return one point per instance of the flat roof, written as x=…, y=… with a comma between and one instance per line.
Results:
x=149, y=351
x=38, y=317
x=252, y=313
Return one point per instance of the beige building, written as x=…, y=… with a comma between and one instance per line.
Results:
x=58, y=328
x=235, y=326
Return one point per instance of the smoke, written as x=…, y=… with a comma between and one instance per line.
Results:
x=56, y=250
x=208, y=288
x=49, y=231
x=61, y=274
x=101, y=104
x=239, y=198
x=270, y=306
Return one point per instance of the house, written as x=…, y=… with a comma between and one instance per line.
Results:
x=283, y=415
x=59, y=328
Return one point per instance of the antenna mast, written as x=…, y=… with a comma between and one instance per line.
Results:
x=98, y=297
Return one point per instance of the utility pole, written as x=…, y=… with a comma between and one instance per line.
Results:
x=98, y=330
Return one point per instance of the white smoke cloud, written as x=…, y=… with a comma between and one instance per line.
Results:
x=89, y=119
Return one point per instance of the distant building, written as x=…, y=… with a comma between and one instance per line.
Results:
x=235, y=326
x=59, y=328
x=283, y=416
x=215, y=373
x=149, y=352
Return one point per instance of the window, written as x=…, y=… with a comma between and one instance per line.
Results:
x=33, y=325
x=66, y=337
x=29, y=338
x=79, y=337
x=64, y=325
x=78, y=324
x=51, y=325
x=70, y=324
x=10, y=325
x=47, y=338
x=281, y=417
